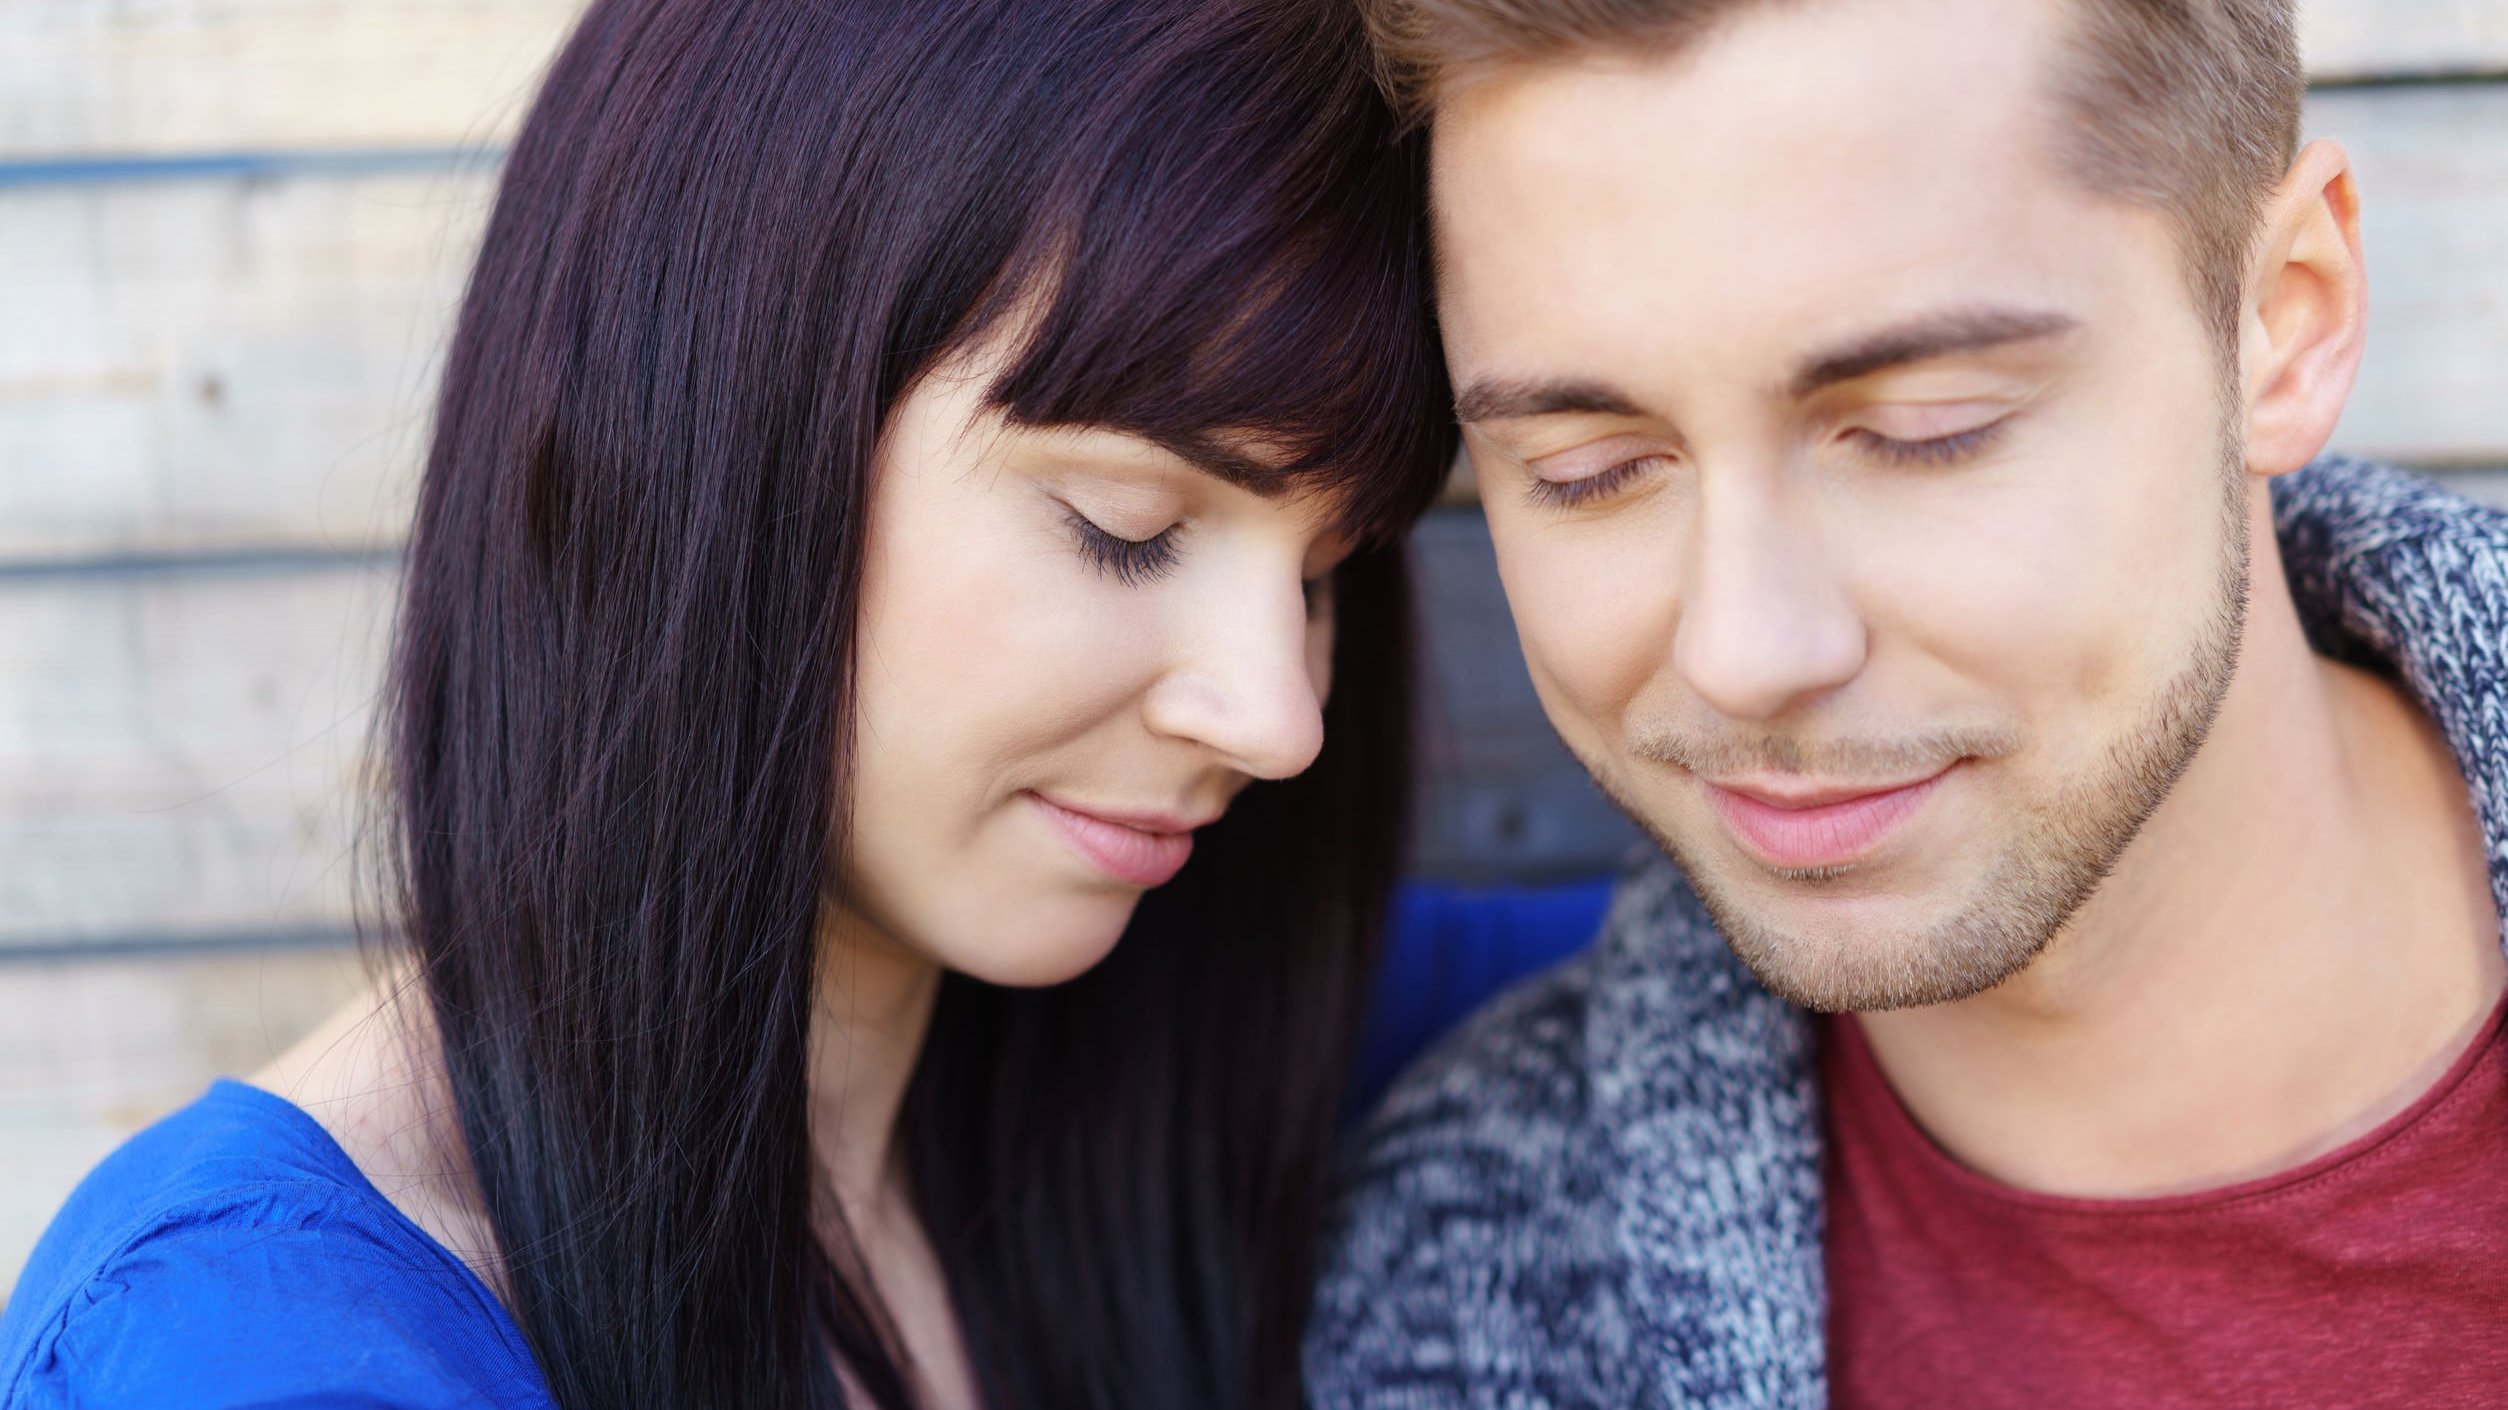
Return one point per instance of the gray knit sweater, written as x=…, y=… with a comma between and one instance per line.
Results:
x=1605, y=1189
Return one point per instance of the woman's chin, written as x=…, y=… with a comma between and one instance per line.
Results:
x=1044, y=952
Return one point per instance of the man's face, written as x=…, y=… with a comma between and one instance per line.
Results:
x=1862, y=488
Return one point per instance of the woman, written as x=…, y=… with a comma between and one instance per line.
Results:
x=912, y=505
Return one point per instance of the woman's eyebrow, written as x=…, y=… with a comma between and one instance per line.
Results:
x=1143, y=452
x=1237, y=468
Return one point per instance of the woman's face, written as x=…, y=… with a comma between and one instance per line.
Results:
x=1075, y=648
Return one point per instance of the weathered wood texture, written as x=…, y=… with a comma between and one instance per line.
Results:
x=2371, y=39
x=82, y=76
x=78, y=76
x=222, y=361
x=178, y=751
x=2433, y=174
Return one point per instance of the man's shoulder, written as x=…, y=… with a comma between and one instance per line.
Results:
x=1468, y=1260
x=1474, y=1258
x=1516, y=1065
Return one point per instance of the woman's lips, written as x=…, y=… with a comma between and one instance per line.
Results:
x=1143, y=856
x=1829, y=831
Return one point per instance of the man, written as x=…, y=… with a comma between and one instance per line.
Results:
x=2080, y=983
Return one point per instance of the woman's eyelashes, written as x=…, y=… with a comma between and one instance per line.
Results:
x=1130, y=562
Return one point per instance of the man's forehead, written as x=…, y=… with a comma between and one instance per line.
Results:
x=1776, y=111
x=1654, y=204
x=1809, y=57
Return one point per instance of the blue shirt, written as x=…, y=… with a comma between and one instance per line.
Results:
x=1447, y=950
x=233, y=1255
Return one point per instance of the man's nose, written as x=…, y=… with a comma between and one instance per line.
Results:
x=1766, y=622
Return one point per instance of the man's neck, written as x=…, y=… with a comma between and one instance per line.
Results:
x=2298, y=943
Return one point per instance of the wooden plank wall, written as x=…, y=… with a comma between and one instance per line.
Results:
x=231, y=235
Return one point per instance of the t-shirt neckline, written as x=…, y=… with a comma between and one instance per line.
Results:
x=1902, y=1128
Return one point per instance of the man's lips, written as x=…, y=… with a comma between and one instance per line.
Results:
x=1143, y=849
x=1799, y=826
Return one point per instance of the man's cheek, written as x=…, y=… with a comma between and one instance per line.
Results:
x=1594, y=651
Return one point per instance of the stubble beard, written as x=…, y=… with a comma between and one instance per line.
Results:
x=2067, y=847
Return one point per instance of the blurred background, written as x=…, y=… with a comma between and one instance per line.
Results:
x=232, y=237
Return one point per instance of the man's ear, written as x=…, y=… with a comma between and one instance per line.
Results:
x=2306, y=312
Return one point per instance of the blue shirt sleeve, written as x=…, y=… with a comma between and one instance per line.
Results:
x=1450, y=949
x=277, y=1297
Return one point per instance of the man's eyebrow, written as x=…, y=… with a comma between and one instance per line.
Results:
x=1508, y=399
x=1922, y=339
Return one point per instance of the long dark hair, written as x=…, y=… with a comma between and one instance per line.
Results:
x=729, y=238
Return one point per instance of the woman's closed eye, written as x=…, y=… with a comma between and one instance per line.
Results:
x=1131, y=562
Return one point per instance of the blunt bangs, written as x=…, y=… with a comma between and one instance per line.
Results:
x=1231, y=276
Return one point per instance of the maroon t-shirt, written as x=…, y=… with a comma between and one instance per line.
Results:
x=2376, y=1275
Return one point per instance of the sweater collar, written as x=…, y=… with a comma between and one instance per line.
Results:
x=2396, y=574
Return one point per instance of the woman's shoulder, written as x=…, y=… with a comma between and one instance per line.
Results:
x=233, y=1254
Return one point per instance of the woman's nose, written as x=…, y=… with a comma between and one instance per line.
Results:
x=1244, y=684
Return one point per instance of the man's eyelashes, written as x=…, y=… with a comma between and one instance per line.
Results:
x=1568, y=494
x=1933, y=451
x=1938, y=450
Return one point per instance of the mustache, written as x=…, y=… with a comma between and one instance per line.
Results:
x=1728, y=753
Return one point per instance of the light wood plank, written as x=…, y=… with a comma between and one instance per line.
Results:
x=80, y=77
x=214, y=362
x=2433, y=173
x=2352, y=39
x=92, y=1050
x=83, y=77
x=178, y=750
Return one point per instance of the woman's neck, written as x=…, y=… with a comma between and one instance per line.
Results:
x=874, y=1006
x=874, y=1009
x=371, y=1077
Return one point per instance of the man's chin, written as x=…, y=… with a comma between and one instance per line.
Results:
x=1849, y=944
